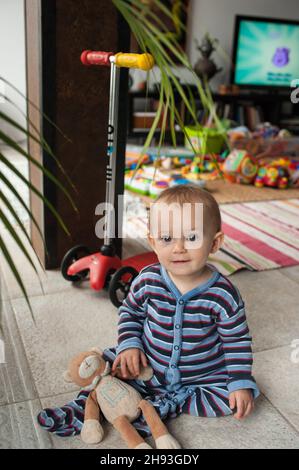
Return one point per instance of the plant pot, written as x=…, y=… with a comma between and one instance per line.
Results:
x=204, y=139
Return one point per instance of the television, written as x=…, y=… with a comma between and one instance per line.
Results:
x=265, y=52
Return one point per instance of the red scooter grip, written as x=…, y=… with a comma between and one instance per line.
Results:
x=96, y=57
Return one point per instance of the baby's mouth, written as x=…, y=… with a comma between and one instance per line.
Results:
x=180, y=261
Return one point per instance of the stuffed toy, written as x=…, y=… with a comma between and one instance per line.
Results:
x=118, y=401
x=240, y=167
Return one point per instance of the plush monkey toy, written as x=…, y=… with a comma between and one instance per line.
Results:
x=118, y=401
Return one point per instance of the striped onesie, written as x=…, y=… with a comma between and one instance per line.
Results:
x=198, y=344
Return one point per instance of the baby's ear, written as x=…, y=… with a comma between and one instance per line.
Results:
x=97, y=350
x=67, y=377
x=218, y=241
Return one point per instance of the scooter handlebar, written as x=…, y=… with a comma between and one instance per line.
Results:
x=137, y=61
x=96, y=58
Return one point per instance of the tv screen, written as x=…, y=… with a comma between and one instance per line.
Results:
x=266, y=52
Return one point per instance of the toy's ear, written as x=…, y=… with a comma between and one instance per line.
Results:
x=97, y=350
x=67, y=377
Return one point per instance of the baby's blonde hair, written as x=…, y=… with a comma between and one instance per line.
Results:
x=191, y=193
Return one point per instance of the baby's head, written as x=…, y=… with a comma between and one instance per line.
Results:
x=184, y=228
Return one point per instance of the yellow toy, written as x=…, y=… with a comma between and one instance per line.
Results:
x=240, y=167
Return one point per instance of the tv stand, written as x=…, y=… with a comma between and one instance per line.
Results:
x=248, y=107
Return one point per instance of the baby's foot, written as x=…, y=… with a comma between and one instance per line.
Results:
x=92, y=432
x=167, y=442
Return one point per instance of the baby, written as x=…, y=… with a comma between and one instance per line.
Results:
x=185, y=318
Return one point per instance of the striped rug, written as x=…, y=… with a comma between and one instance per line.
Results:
x=258, y=235
x=262, y=235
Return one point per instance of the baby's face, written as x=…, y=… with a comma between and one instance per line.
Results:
x=177, y=235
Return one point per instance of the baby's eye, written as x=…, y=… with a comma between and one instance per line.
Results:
x=166, y=239
x=192, y=237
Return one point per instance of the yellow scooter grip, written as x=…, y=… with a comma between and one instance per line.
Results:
x=135, y=61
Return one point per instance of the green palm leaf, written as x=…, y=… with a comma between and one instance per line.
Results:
x=7, y=209
x=152, y=36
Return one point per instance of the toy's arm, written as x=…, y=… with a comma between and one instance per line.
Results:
x=92, y=431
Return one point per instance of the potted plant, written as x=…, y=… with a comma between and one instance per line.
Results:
x=153, y=36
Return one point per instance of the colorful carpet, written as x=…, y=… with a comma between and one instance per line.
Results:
x=263, y=235
x=258, y=235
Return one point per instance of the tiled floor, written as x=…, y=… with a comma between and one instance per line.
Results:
x=67, y=319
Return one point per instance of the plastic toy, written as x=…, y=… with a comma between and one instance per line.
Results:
x=157, y=187
x=240, y=167
x=137, y=183
x=266, y=130
x=204, y=139
x=272, y=175
x=238, y=133
x=118, y=401
x=105, y=268
x=133, y=159
x=277, y=173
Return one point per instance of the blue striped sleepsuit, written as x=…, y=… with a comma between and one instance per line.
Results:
x=198, y=344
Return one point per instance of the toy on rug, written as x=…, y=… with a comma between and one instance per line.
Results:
x=240, y=167
x=118, y=401
x=274, y=174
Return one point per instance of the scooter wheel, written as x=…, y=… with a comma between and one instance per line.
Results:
x=120, y=284
x=69, y=258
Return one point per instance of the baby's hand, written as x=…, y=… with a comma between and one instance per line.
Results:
x=243, y=401
x=129, y=361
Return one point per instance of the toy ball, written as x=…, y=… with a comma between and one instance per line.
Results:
x=240, y=167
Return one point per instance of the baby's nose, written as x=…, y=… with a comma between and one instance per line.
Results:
x=179, y=246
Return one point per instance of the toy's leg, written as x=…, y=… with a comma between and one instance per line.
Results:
x=92, y=431
x=160, y=433
x=129, y=433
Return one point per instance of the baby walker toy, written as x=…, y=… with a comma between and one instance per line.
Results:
x=105, y=268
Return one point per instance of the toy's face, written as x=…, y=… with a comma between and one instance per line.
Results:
x=89, y=366
x=83, y=368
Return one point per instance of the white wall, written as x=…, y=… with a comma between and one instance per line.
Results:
x=12, y=60
x=217, y=17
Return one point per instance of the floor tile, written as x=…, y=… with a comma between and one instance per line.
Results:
x=271, y=301
x=16, y=380
x=291, y=272
x=277, y=374
x=63, y=325
x=265, y=428
x=19, y=429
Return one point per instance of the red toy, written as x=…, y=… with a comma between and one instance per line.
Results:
x=105, y=268
x=275, y=175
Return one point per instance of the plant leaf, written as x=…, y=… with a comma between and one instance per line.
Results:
x=38, y=193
